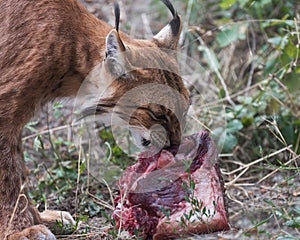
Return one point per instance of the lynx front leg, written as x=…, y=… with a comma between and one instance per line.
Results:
x=60, y=222
x=36, y=232
x=19, y=219
x=48, y=218
x=14, y=215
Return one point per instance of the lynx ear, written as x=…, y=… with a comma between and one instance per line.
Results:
x=114, y=44
x=114, y=50
x=169, y=36
x=114, y=47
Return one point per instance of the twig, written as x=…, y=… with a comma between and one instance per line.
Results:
x=121, y=217
x=110, y=151
x=186, y=21
x=7, y=233
x=110, y=192
x=276, y=170
x=101, y=202
x=78, y=175
x=50, y=131
x=298, y=44
x=235, y=200
x=259, y=160
x=274, y=124
x=238, y=176
x=227, y=60
x=200, y=123
x=252, y=52
x=238, y=93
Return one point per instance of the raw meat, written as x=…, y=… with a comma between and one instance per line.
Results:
x=174, y=192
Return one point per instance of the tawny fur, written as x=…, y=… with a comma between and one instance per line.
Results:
x=47, y=49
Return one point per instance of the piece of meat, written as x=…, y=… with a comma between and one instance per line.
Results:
x=175, y=192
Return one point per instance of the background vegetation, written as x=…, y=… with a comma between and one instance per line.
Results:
x=249, y=51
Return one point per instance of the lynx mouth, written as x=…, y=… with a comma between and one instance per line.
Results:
x=174, y=192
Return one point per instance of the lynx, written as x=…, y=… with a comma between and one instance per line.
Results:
x=47, y=49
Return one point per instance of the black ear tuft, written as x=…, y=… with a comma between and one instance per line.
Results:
x=169, y=36
x=170, y=6
x=175, y=26
x=117, y=15
x=176, y=22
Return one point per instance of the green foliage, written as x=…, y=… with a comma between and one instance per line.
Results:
x=117, y=156
x=269, y=30
x=250, y=50
x=61, y=176
x=231, y=33
x=63, y=229
x=228, y=139
x=57, y=108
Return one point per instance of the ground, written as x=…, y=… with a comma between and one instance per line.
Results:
x=262, y=189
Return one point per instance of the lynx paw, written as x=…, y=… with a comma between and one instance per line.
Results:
x=59, y=222
x=36, y=232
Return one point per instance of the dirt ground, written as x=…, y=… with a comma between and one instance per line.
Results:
x=256, y=206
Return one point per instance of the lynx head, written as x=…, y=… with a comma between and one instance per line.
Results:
x=144, y=87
